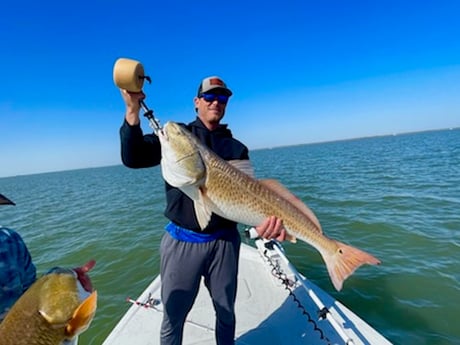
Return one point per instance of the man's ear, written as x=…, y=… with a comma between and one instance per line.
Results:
x=195, y=101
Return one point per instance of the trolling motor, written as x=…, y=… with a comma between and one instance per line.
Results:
x=129, y=74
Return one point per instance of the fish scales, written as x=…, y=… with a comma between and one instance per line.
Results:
x=229, y=188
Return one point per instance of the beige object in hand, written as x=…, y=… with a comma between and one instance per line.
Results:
x=128, y=74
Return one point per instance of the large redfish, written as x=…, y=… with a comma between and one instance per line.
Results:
x=53, y=311
x=221, y=187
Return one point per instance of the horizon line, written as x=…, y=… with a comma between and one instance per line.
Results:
x=258, y=149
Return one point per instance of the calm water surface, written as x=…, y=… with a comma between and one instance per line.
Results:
x=397, y=197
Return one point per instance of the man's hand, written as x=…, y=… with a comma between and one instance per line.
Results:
x=133, y=106
x=272, y=228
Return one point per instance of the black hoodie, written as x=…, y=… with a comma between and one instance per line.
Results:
x=142, y=151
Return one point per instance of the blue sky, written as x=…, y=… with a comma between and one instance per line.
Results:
x=301, y=71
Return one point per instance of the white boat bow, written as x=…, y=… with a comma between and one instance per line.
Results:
x=275, y=305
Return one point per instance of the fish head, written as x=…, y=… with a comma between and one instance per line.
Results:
x=181, y=161
x=67, y=299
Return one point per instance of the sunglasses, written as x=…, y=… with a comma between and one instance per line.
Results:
x=210, y=97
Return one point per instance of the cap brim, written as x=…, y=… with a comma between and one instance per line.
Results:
x=223, y=90
x=5, y=201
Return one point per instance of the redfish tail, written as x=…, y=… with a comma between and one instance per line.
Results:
x=344, y=261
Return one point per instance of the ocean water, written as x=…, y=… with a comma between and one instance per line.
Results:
x=397, y=197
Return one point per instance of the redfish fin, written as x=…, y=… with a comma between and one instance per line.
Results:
x=286, y=194
x=243, y=165
x=344, y=261
x=291, y=238
x=202, y=212
x=82, y=316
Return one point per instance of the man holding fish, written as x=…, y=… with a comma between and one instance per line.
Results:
x=191, y=247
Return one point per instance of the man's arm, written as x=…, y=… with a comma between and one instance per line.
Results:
x=20, y=261
x=137, y=150
x=28, y=270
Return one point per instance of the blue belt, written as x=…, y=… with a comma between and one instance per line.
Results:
x=186, y=235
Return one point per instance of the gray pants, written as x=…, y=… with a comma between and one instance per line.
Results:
x=182, y=266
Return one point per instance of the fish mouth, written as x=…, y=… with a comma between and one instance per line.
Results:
x=172, y=128
x=161, y=134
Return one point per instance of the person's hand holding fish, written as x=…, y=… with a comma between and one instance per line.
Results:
x=272, y=228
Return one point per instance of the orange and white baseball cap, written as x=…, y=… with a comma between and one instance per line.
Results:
x=213, y=83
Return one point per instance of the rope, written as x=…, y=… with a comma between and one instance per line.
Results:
x=289, y=285
x=324, y=312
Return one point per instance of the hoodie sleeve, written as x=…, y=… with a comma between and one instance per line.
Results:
x=139, y=150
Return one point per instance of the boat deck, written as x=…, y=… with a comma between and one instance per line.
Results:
x=266, y=312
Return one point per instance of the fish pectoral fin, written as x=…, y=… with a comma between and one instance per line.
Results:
x=281, y=190
x=82, y=316
x=52, y=321
x=202, y=211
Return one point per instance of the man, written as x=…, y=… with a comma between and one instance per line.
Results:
x=188, y=252
x=17, y=272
